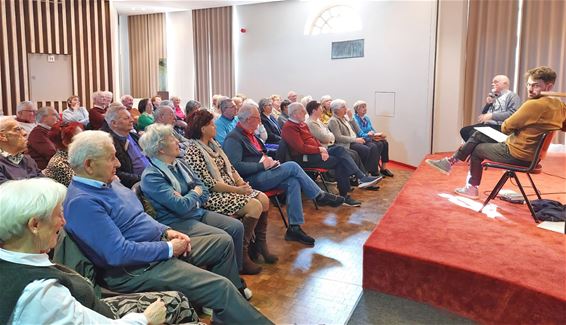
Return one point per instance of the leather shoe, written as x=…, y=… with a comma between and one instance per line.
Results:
x=386, y=172
x=295, y=233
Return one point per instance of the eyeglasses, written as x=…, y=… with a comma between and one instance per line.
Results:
x=29, y=110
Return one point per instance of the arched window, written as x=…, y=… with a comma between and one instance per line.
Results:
x=336, y=19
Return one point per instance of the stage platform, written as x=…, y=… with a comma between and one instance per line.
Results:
x=433, y=246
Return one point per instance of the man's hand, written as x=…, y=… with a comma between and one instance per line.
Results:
x=171, y=234
x=155, y=313
x=180, y=247
x=485, y=117
x=489, y=100
x=360, y=140
x=323, y=153
x=268, y=162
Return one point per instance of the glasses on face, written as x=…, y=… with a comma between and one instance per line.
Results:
x=29, y=110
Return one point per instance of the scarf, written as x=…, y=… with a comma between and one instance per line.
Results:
x=178, y=165
x=211, y=152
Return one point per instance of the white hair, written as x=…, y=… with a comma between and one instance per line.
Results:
x=154, y=138
x=24, y=199
x=247, y=108
x=88, y=145
x=337, y=104
x=125, y=97
x=359, y=103
x=160, y=111
x=294, y=107
x=325, y=98
x=42, y=112
x=112, y=112
x=305, y=100
x=21, y=106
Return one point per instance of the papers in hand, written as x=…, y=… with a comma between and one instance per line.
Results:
x=492, y=133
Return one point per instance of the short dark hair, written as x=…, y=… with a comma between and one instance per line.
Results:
x=284, y=105
x=543, y=73
x=312, y=105
x=196, y=121
x=142, y=105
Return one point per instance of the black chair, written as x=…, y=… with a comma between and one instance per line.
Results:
x=512, y=170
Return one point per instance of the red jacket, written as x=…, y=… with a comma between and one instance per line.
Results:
x=40, y=148
x=300, y=139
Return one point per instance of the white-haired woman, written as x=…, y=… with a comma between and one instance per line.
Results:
x=177, y=194
x=36, y=291
x=229, y=193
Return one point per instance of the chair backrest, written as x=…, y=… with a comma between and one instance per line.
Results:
x=542, y=148
x=147, y=207
x=283, y=153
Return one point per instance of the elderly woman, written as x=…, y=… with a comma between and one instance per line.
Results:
x=367, y=132
x=269, y=121
x=75, y=112
x=177, y=193
x=191, y=106
x=146, y=118
x=326, y=111
x=347, y=137
x=58, y=167
x=36, y=291
x=276, y=104
x=229, y=193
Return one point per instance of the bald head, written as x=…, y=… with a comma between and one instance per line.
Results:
x=499, y=84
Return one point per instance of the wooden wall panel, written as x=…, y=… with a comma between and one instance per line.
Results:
x=80, y=28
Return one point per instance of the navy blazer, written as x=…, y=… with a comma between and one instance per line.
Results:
x=273, y=131
x=242, y=154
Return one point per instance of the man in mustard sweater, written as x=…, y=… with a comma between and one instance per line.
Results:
x=536, y=116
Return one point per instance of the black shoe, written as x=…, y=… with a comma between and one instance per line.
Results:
x=295, y=233
x=329, y=199
x=354, y=181
x=386, y=172
x=351, y=202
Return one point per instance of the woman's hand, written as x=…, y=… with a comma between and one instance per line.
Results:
x=155, y=313
x=245, y=189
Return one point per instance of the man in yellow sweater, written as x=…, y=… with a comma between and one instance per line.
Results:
x=536, y=116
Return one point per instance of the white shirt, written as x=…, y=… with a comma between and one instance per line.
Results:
x=48, y=302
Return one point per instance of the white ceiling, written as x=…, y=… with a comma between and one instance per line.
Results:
x=140, y=7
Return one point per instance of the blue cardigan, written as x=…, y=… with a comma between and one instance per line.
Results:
x=111, y=227
x=171, y=208
x=364, y=129
x=242, y=154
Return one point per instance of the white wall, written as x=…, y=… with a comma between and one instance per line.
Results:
x=274, y=56
x=180, y=57
x=124, y=55
x=450, y=70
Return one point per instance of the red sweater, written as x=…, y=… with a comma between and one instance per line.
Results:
x=40, y=148
x=96, y=117
x=300, y=139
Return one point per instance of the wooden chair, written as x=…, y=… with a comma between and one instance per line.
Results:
x=511, y=172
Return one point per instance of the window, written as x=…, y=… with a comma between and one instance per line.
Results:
x=336, y=19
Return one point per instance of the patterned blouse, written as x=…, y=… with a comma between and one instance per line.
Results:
x=59, y=169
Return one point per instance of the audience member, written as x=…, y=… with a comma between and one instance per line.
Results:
x=36, y=291
x=326, y=111
x=179, y=125
x=229, y=193
x=366, y=131
x=139, y=254
x=284, y=116
x=132, y=160
x=25, y=115
x=14, y=164
x=500, y=104
x=177, y=107
x=269, y=121
x=227, y=121
x=215, y=107
x=128, y=102
x=346, y=137
x=146, y=118
x=155, y=101
x=246, y=152
x=308, y=152
x=178, y=195
x=292, y=96
x=276, y=104
x=96, y=113
x=537, y=115
x=192, y=105
x=75, y=112
x=238, y=101
x=305, y=100
x=40, y=147
x=58, y=167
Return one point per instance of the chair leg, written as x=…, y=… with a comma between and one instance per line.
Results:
x=496, y=189
x=534, y=186
x=278, y=205
x=526, y=198
x=323, y=181
x=315, y=204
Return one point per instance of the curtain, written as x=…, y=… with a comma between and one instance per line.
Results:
x=147, y=46
x=214, y=66
x=490, y=50
x=543, y=42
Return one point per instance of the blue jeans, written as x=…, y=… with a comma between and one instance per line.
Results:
x=292, y=178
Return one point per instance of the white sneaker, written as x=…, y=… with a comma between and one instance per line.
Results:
x=248, y=293
x=468, y=191
x=442, y=165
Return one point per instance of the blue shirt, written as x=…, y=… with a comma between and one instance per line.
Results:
x=365, y=126
x=223, y=127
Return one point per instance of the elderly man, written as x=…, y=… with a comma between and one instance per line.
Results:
x=500, y=104
x=128, y=102
x=227, y=121
x=292, y=96
x=247, y=154
x=309, y=152
x=40, y=147
x=119, y=124
x=536, y=116
x=96, y=113
x=135, y=253
x=14, y=164
x=179, y=125
x=269, y=121
x=25, y=115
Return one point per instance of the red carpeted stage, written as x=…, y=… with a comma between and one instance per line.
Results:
x=434, y=247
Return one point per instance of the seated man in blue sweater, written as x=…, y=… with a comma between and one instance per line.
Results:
x=135, y=253
x=247, y=154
